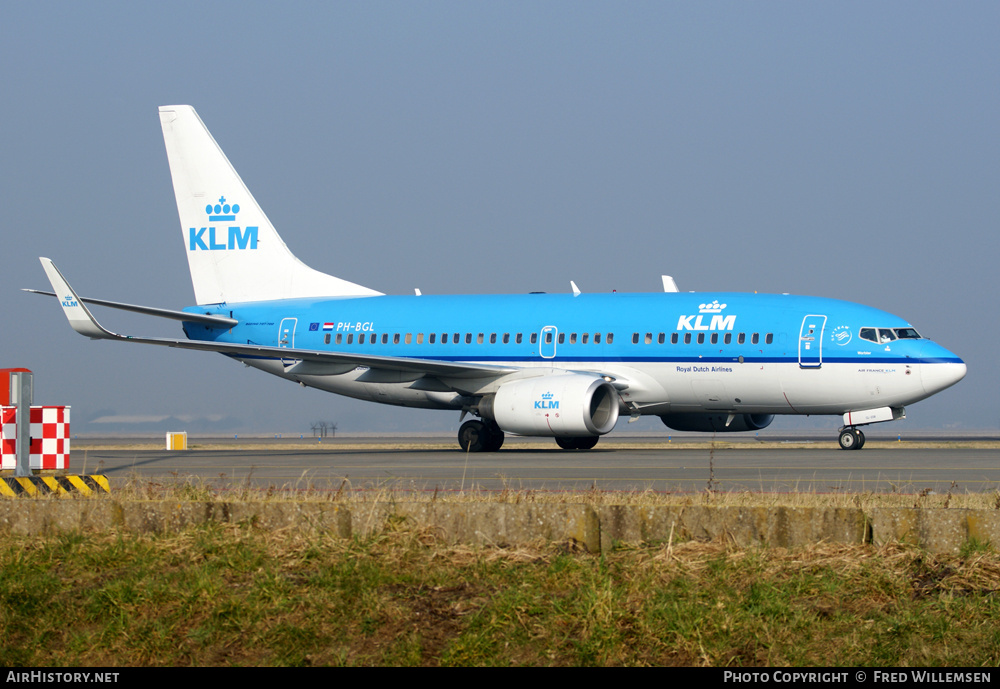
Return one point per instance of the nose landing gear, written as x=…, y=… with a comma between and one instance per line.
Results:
x=851, y=438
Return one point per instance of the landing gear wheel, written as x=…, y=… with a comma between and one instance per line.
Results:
x=585, y=442
x=851, y=439
x=476, y=436
x=495, y=437
x=847, y=439
x=472, y=436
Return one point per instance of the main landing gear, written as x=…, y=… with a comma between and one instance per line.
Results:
x=486, y=436
x=480, y=436
x=585, y=442
x=851, y=438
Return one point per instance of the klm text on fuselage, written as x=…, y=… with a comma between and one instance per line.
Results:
x=696, y=323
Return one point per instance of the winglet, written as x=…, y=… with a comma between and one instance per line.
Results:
x=668, y=284
x=78, y=315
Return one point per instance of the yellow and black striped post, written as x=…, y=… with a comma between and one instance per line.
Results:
x=15, y=486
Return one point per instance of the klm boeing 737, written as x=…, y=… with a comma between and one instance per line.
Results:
x=565, y=366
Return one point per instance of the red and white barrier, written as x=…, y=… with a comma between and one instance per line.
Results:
x=49, y=438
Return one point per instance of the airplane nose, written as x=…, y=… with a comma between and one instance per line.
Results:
x=942, y=372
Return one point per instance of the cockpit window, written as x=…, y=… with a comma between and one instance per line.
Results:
x=883, y=335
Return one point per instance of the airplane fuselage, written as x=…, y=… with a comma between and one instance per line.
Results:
x=678, y=352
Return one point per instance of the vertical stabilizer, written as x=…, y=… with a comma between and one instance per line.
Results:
x=234, y=253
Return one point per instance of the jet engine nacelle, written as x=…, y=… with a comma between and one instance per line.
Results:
x=716, y=423
x=571, y=404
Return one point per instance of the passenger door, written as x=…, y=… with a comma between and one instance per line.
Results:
x=811, y=341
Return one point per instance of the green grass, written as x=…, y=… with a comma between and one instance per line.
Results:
x=225, y=595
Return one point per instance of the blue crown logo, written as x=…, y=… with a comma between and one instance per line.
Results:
x=547, y=396
x=222, y=210
x=714, y=307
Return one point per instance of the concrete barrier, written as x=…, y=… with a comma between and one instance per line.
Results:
x=937, y=530
x=775, y=526
x=501, y=524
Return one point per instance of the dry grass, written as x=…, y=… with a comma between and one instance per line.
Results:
x=138, y=487
x=227, y=595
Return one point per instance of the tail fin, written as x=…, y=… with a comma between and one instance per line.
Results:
x=233, y=251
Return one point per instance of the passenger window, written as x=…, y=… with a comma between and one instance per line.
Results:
x=493, y=338
x=408, y=339
x=673, y=338
x=548, y=337
x=687, y=338
x=534, y=338
x=572, y=338
x=741, y=338
x=586, y=336
x=420, y=338
x=385, y=338
x=479, y=338
x=326, y=339
x=755, y=338
x=468, y=338
x=395, y=338
x=432, y=338
x=701, y=338
x=517, y=339
x=610, y=338
x=350, y=339
x=635, y=338
x=597, y=338
x=506, y=338
x=661, y=338
x=649, y=338
x=728, y=338
x=769, y=338
x=715, y=338
x=456, y=338
x=562, y=338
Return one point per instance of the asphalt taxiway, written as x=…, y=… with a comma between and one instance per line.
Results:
x=777, y=465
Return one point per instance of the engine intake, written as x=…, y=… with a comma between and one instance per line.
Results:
x=571, y=404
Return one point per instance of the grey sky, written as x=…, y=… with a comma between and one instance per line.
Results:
x=847, y=150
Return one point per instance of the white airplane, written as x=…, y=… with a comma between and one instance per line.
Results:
x=557, y=365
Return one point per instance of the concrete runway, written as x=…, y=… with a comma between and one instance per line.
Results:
x=534, y=464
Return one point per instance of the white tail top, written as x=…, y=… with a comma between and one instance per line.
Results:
x=234, y=253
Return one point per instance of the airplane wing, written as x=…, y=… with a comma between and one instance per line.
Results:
x=212, y=321
x=303, y=361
